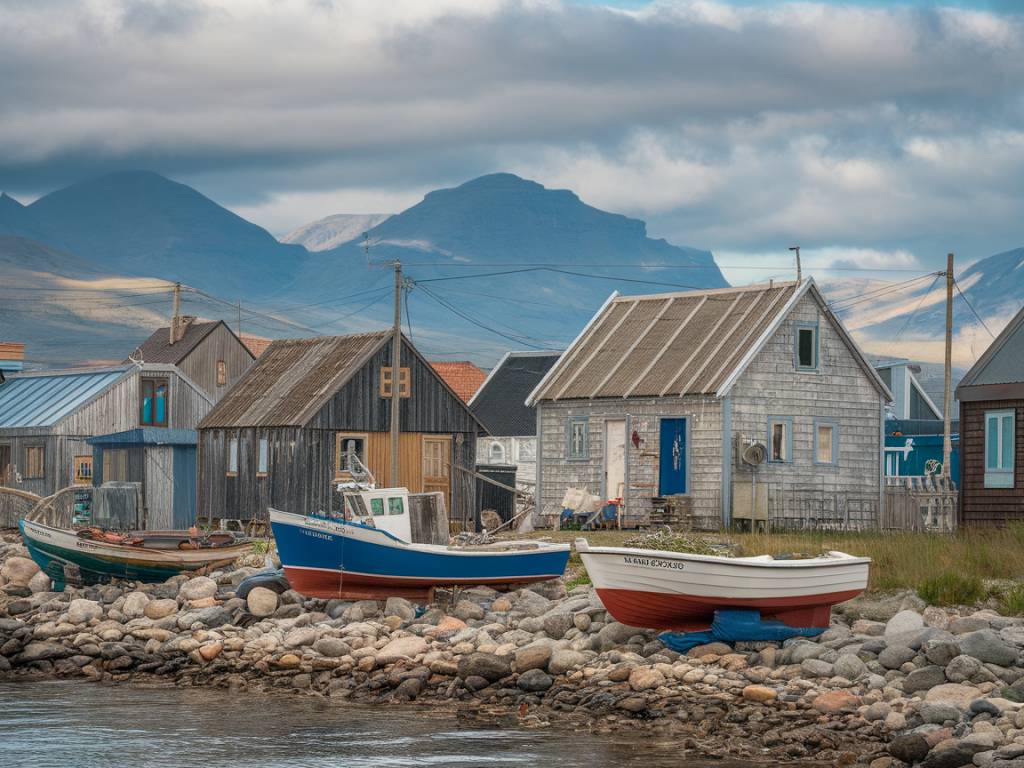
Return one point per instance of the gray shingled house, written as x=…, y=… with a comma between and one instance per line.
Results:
x=657, y=400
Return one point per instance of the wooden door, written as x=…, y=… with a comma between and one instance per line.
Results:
x=672, y=461
x=5, y=464
x=614, y=458
x=437, y=466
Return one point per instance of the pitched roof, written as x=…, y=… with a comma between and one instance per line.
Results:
x=257, y=345
x=1003, y=361
x=43, y=399
x=292, y=380
x=500, y=403
x=158, y=349
x=691, y=343
x=462, y=376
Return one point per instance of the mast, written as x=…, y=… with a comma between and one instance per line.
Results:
x=396, y=378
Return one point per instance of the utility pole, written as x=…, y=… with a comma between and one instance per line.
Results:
x=796, y=249
x=175, y=312
x=947, y=440
x=396, y=377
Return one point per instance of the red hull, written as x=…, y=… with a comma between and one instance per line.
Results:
x=349, y=586
x=688, y=613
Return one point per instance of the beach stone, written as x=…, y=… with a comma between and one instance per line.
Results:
x=486, y=665
x=986, y=645
x=216, y=616
x=42, y=651
x=934, y=616
x=816, y=668
x=564, y=660
x=1013, y=635
x=402, y=648
x=953, y=753
x=868, y=628
x=708, y=649
x=877, y=711
x=557, y=624
x=211, y=651
x=924, y=679
x=158, y=609
x=582, y=621
x=634, y=704
x=940, y=652
x=40, y=582
x=895, y=656
x=468, y=611
x=197, y=589
x=904, y=621
x=909, y=747
x=529, y=602
x=800, y=652
x=448, y=625
x=645, y=679
x=83, y=611
x=614, y=634
x=759, y=694
x=135, y=604
x=400, y=607
x=19, y=570
x=955, y=694
x=476, y=683
x=332, y=647
x=533, y=656
x=834, y=702
x=262, y=601
x=938, y=714
x=961, y=669
x=849, y=666
x=962, y=625
x=534, y=681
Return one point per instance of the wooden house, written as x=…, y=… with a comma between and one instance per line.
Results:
x=208, y=353
x=511, y=424
x=47, y=420
x=658, y=399
x=991, y=399
x=282, y=436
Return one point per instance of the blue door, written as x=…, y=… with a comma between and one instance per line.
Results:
x=672, y=473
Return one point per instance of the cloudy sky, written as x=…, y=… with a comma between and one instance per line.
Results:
x=871, y=133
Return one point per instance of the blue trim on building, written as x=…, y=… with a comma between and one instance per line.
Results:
x=822, y=422
x=148, y=436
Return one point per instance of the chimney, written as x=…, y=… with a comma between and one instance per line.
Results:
x=184, y=321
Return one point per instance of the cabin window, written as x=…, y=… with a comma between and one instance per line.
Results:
x=350, y=454
x=807, y=347
x=35, y=462
x=404, y=385
x=780, y=439
x=233, y=457
x=155, y=402
x=115, y=465
x=826, y=443
x=264, y=458
x=377, y=507
x=396, y=506
x=83, y=470
x=1000, y=445
x=577, y=437
x=222, y=373
x=496, y=454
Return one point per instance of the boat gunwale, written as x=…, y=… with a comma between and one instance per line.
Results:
x=753, y=562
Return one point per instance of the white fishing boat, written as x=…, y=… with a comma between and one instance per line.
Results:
x=677, y=591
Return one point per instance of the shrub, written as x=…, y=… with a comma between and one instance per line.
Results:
x=951, y=589
x=1011, y=603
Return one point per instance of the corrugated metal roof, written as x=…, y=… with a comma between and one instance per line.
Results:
x=292, y=380
x=676, y=343
x=1003, y=361
x=41, y=400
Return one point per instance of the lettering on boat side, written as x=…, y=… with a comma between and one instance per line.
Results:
x=316, y=534
x=651, y=562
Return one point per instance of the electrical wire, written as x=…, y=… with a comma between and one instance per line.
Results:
x=476, y=322
x=918, y=307
x=968, y=302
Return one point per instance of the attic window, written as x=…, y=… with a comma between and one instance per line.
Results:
x=807, y=347
x=155, y=402
x=222, y=373
x=403, y=382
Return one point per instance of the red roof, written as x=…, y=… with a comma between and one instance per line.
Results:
x=462, y=376
x=255, y=344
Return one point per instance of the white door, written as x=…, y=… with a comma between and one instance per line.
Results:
x=615, y=458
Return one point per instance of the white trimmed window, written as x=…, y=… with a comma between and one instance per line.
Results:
x=577, y=437
x=1000, y=445
x=233, y=456
x=264, y=462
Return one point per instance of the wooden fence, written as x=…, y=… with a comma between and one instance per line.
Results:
x=920, y=503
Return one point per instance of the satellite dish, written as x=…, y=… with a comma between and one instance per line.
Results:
x=754, y=454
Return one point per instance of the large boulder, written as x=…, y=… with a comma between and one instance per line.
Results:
x=40, y=583
x=849, y=666
x=895, y=656
x=485, y=665
x=564, y=659
x=400, y=607
x=332, y=647
x=987, y=646
x=556, y=624
x=83, y=611
x=261, y=601
x=909, y=747
x=904, y=621
x=962, y=669
x=159, y=609
x=534, y=681
x=197, y=588
x=954, y=694
x=924, y=679
x=533, y=656
x=645, y=679
x=19, y=570
x=614, y=634
x=134, y=605
x=402, y=648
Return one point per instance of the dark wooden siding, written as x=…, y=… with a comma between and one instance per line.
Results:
x=980, y=505
x=59, y=459
x=201, y=363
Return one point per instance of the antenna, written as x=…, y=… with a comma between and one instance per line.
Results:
x=796, y=249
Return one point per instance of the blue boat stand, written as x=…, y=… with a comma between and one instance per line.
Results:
x=733, y=625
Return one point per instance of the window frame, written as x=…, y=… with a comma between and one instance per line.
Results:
x=404, y=382
x=80, y=460
x=835, y=442
x=233, y=456
x=787, y=422
x=1000, y=476
x=340, y=438
x=29, y=466
x=570, y=423
x=500, y=449
x=222, y=373
x=262, y=457
x=816, y=331
x=154, y=383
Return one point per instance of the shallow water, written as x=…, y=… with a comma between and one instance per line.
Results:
x=73, y=724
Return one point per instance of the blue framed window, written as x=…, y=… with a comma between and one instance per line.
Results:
x=577, y=437
x=780, y=439
x=806, y=344
x=826, y=442
x=1000, y=445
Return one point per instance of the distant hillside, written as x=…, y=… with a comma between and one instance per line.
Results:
x=140, y=223
x=332, y=231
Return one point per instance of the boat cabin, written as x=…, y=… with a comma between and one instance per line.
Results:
x=386, y=509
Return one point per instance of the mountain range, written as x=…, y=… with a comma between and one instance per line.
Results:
x=332, y=231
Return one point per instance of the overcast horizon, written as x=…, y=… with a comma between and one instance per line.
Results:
x=871, y=134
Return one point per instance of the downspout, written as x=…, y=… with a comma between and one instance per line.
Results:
x=726, y=492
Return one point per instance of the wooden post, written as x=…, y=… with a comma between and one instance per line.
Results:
x=396, y=378
x=175, y=311
x=947, y=440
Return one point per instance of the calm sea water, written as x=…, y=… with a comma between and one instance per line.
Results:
x=69, y=724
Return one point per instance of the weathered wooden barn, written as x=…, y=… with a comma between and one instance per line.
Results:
x=208, y=353
x=47, y=418
x=657, y=399
x=281, y=437
x=991, y=399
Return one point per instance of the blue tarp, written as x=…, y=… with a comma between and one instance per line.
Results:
x=735, y=624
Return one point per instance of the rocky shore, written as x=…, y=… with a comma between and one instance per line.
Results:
x=892, y=682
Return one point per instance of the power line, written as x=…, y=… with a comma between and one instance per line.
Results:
x=877, y=293
x=476, y=322
x=968, y=302
x=784, y=268
x=919, y=304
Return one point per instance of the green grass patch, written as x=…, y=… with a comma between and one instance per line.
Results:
x=952, y=589
x=1011, y=602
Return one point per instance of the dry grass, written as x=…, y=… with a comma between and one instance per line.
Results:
x=900, y=560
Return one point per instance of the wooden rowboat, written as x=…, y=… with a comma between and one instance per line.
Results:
x=72, y=557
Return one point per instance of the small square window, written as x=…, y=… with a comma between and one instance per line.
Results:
x=396, y=506
x=404, y=378
x=807, y=347
x=578, y=437
x=377, y=507
x=83, y=470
